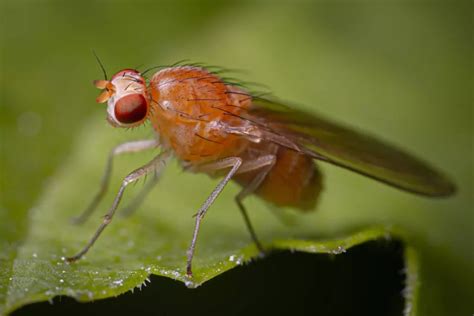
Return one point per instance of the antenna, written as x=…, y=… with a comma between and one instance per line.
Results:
x=100, y=64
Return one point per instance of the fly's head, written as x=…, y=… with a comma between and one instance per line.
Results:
x=126, y=97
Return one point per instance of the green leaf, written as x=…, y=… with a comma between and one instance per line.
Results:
x=152, y=241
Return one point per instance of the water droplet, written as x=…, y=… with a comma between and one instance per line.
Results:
x=237, y=259
x=118, y=282
x=339, y=250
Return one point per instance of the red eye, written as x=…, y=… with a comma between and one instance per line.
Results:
x=131, y=108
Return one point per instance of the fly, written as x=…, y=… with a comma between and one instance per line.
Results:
x=268, y=148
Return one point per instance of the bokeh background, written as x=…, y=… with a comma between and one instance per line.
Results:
x=400, y=69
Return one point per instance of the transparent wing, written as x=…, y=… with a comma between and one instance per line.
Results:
x=328, y=141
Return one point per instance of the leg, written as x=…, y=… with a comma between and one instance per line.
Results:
x=138, y=199
x=265, y=163
x=153, y=166
x=128, y=147
x=233, y=162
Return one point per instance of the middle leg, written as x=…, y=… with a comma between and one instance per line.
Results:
x=232, y=162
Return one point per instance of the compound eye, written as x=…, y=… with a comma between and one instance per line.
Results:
x=131, y=108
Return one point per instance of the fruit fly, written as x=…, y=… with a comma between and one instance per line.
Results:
x=271, y=150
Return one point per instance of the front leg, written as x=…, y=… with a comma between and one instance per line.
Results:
x=128, y=147
x=153, y=166
x=234, y=163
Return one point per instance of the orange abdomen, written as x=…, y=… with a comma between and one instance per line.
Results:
x=294, y=181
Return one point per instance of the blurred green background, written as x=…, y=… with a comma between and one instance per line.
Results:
x=402, y=70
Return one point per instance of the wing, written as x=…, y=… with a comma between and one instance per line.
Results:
x=344, y=147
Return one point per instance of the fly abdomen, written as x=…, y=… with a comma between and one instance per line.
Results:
x=293, y=181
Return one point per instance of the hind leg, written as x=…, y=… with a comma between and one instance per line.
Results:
x=265, y=164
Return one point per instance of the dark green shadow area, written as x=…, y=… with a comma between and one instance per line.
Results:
x=367, y=280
